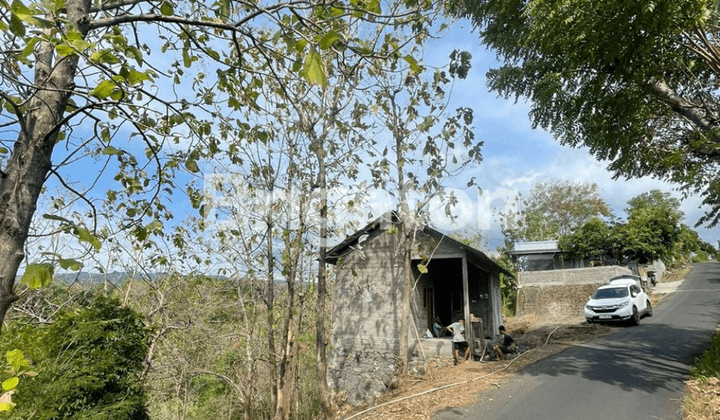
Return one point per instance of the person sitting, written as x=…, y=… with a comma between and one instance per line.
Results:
x=438, y=329
x=505, y=345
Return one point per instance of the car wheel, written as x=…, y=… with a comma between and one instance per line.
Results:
x=649, y=311
x=635, y=319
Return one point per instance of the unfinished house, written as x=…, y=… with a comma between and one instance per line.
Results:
x=460, y=283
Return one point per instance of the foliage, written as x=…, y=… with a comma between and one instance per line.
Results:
x=133, y=120
x=214, y=337
x=708, y=366
x=635, y=82
x=17, y=366
x=553, y=209
x=592, y=239
x=654, y=199
x=88, y=362
x=650, y=234
x=653, y=231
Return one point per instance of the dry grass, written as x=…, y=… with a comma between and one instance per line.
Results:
x=703, y=399
x=455, y=386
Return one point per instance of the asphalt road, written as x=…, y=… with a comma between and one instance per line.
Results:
x=636, y=372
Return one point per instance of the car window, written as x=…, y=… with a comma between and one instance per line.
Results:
x=634, y=289
x=610, y=293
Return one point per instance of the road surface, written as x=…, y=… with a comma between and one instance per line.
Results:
x=636, y=372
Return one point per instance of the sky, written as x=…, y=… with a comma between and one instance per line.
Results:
x=515, y=156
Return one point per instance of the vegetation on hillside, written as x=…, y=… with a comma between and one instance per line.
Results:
x=192, y=348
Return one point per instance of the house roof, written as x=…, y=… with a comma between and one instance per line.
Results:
x=535, y=247
x=379, y=225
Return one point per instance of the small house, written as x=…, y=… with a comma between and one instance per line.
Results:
x=451, y=281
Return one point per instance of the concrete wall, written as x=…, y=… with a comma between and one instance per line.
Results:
x=367, y=308
x=559, y=294
x=366, y=319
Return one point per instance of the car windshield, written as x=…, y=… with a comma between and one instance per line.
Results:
x=610, y=293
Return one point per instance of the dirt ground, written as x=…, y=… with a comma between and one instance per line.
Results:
x=455, y=386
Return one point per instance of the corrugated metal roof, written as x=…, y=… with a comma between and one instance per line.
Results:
x=535, y=247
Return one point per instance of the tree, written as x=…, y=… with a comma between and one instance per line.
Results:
x=88, y=363
x=410, y=102
x=654, y=199
x=592, y=239
x=80, y=75
x=650, y=234
x=635, y=82
x=553, y=209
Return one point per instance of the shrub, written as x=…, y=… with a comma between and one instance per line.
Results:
x=88, y=363
x=709, y=364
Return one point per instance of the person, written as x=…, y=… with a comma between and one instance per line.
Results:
x=459, y=343
x=437, y=327
x=505, y=345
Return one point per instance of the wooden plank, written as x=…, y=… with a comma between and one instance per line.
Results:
x=466, y=304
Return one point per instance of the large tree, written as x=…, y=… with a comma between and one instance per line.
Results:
x=138, y=85
x=553, y=209
x=636, y=82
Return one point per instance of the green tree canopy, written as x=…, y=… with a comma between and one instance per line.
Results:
x=553, y=209
x=654, y=199
x=635, y=82
x=593, y=239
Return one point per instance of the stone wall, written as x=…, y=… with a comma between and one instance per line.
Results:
x=556, y=295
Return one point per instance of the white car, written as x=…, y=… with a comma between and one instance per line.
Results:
x=621, y=300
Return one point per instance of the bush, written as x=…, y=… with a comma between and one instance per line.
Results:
x=708, y=365
x=88, y=363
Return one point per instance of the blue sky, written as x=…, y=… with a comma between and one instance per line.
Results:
x=516, y=156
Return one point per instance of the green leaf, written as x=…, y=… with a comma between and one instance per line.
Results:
x=313, y=69
x=104, y=56
x=6, y=406
x=192, y=166
x=29, y=49
x=65, y=50
x=17, y=27
x=84, y=235
x=329, y=38
x=166, y=9
x=19, y=8
x=422, y=268
x=10, y=383
x=104, y=89
x=135, y=53
x=57, y=218
x=3, y=150
x=16, y=359
x=111, y=151
x=414, y=66
x=37, y=275
x=134, y=77
x=70, y=263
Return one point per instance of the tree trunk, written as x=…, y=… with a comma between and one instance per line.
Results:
x=270, y=304
x=402, y=360
x=320, y=333
x=22, y=180
x=404, y=250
